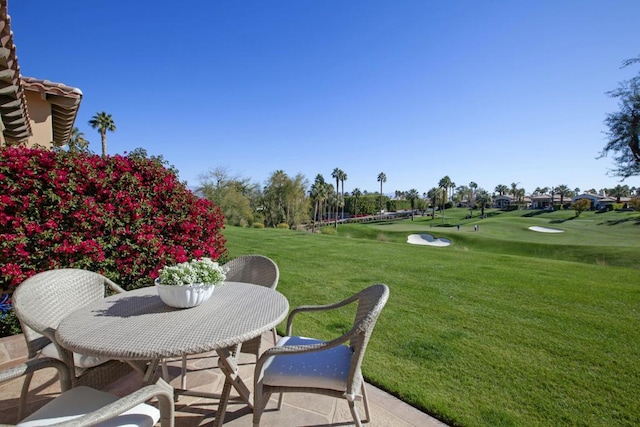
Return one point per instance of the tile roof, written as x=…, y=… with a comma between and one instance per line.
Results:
x=13, y=104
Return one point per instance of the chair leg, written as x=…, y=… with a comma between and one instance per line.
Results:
x=183, y=376
x=354, y=413
x=261, y=401
x=23, y=396
x=280, y=401
x=365, y=400
x=165, y=371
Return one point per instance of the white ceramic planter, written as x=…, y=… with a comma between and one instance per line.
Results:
x=184, y=296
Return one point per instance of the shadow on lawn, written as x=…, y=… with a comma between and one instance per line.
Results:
x=561, y=220
x=534, y=213
x=635, y=219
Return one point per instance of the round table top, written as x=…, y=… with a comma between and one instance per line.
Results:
x=137, y=325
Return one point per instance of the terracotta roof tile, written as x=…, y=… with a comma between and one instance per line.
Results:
x=12, y=100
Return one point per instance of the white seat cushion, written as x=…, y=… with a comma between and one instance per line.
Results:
x=79, y=360
x=326, y=369
x=80, y=401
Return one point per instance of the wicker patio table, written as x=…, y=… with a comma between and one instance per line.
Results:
x=137, y=326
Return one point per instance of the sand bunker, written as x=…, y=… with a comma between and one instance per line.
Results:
x=545, y=229
x=427, y=239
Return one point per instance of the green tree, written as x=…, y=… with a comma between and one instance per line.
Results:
x=514, y=189
x=284, y=200
x=103, y=122
x=343, y=178
x=483, y=198
x=564, y=191
x=461, y=192
x=473, y=189
x=619, y=191
x=444, y=185
x=433, y=196
x=237, y=197
x=520, y=193
x=382, y=178
x=412, y=195
x=77, y=142
x=356, y=193
x=337, y=172
x=580, y=206
x=623, y=136
x=501, y=189
x=318, y=194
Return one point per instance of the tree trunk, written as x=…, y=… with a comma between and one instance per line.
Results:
x=103, y=137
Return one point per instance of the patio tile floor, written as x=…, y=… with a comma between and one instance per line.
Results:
x=204, y=375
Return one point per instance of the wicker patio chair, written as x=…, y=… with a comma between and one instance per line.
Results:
x=259, y=270
x=41, y=302
x=84, y=406
x=332, y=368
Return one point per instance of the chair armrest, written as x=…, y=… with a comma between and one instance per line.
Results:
x=311, y=308
x=161, y=390
x=112, y=285
x=33, y=365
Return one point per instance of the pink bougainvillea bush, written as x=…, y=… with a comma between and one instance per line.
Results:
x=123, y=216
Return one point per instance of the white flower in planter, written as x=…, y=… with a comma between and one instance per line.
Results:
x=202, y=271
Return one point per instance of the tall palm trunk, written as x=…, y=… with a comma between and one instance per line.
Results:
x=103, y=137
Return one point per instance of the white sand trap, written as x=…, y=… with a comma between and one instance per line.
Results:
x=427, y=239
x=545, y=229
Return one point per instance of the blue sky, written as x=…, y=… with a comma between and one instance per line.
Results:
x=493, y=92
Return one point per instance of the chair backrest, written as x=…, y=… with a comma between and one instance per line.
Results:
x=371, y=301
x=43, y=300
x=256, y=269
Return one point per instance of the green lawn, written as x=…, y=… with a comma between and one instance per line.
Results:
x=504, y=327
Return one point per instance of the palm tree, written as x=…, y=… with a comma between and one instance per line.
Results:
x=564, y=191
x=501, y=189
x=473, y=187
x=356, y=193
x=553, y=193
x=339, y=175
x=332, y=200
x=326, y=192
x=452, y=187
x=514, y=189
x=77, y=142
x=483, y=198
x=412, y=195
x=343, y=178
x=382, y=178
x=433, y=196
x=619, y=191
x=520, y=193
x=317, y=194
x=444, y=184
x=103, y=122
